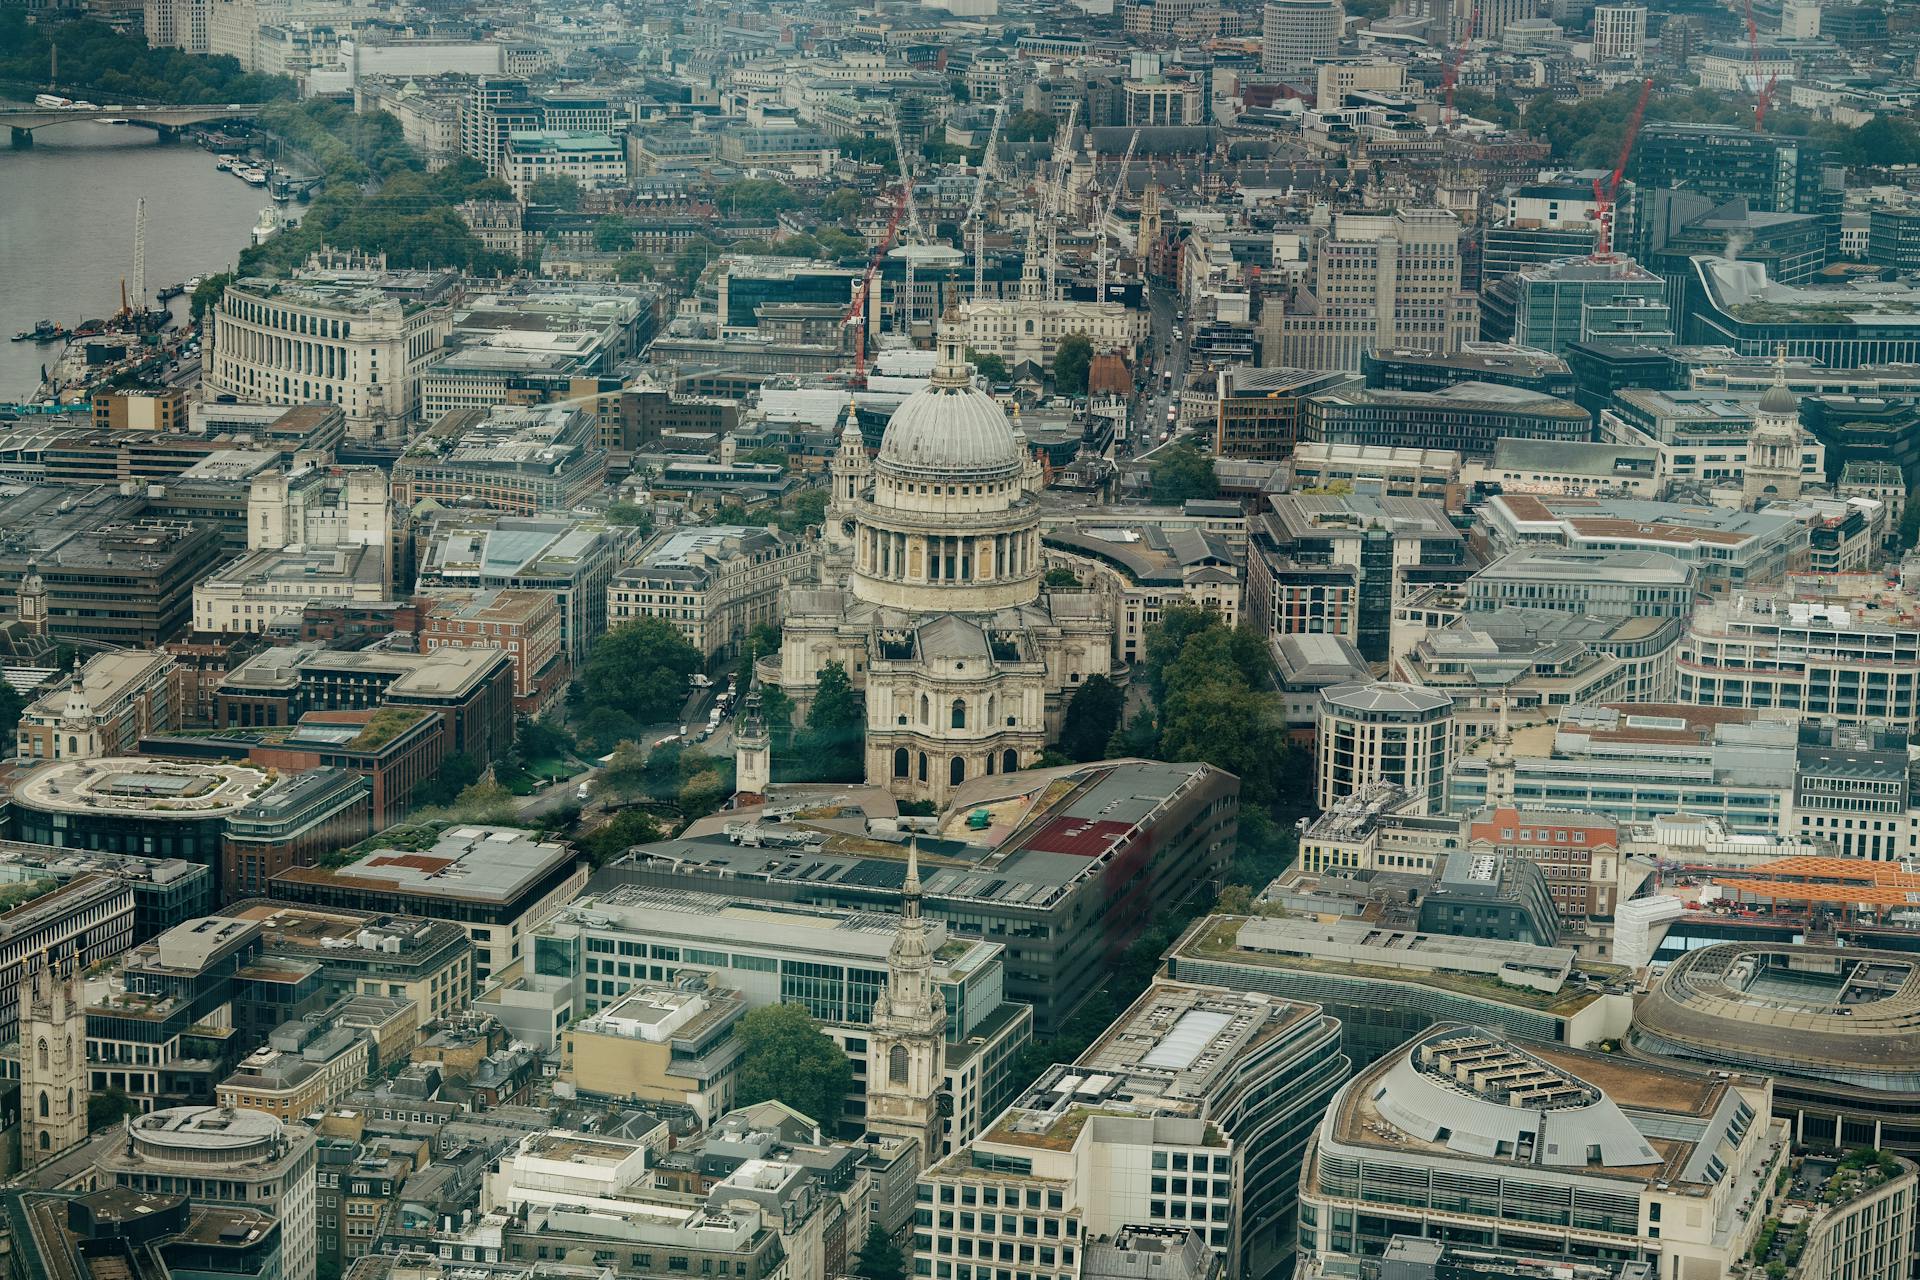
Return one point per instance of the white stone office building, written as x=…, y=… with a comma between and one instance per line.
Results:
x=345, y=332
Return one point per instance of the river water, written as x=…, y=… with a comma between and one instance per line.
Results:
x=66, y=229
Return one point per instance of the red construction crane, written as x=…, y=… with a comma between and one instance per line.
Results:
x=1603, y=197
x=1460, y=56
x=856, y=312
x=1763, y=94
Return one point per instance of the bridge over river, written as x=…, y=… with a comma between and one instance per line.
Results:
x=167, y=120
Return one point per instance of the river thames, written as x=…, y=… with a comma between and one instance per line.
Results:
x=66, y=229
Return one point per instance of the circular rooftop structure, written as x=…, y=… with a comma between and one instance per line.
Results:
x=1844, y=1017
x=1387, y=699
x=151, y=788
x=206, y=1135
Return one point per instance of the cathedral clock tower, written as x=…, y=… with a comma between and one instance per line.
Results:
x=906, y=1061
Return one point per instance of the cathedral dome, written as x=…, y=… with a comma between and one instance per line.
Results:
x=951, y=427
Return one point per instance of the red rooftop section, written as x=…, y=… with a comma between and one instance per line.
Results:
x=1082, y=837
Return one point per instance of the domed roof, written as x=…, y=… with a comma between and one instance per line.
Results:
x=950, y=425
x=1780, y=402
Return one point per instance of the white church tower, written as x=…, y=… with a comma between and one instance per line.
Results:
x=906, y=1047
x=1773, y=450
x=53, y=1061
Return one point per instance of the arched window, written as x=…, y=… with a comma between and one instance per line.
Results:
x=897, y=1064
x=989, y=719
x=923, y=766
x=43, y=1053
x=1010, y=761
x=900, y=762
x=73, y=745
x=926, y=710
x=46, y=1141
x=69, y=1099
x=43, y=1104
x=956, y=771
x=959, y=713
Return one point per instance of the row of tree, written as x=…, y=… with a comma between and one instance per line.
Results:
x=1588, y=132
x=98, y=61
x=378, y=195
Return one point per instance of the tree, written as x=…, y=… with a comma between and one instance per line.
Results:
x=557, y=190
x=1092, y=716
x=1029, y=126
x=704, y=793
x=641, y=668
x=1060, y=577
x=107, y=1106
x=1909, y=526
x=768, y=455
x=1180, y=472
x=843, y=204
x=837, y=244
x=542, y=740
x=939, y=151
x=633, y=266
x=632, y=514
x=626, y=829
x=604, y=728
x=692, y=260
x=785, y=1058
x=1234, y=900
x=1071, y=360
x=988, y=365
x=880, y=1257
x=456, y=773
x=759, y=196
x=11, y=706
x=208, y=293
x=836, y=727
x=612, y=234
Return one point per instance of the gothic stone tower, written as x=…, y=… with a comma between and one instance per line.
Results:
x=906, y=1066
x=53, y=1061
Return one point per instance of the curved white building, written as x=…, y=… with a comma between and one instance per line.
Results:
x=223, y=1155
x=935, y=606
x=354, y=335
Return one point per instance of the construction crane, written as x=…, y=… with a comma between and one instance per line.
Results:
x=976, y=219
x=1452, y=75
x=133, y=306
x=1106, y=215
x=1762, y=94
x=856, y=312
x=1057, y=197
x=140, y=256
x=906, y=179
x=1603, y=198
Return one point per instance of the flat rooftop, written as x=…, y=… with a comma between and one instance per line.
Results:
x=488, y=864
x=1039, y=833
x=155, y=789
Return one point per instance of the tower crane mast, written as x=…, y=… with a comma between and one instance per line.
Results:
x=1057, y=197
x=976, y=219
x=1603, y=198
x=856, y=312
x=1106, y=215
